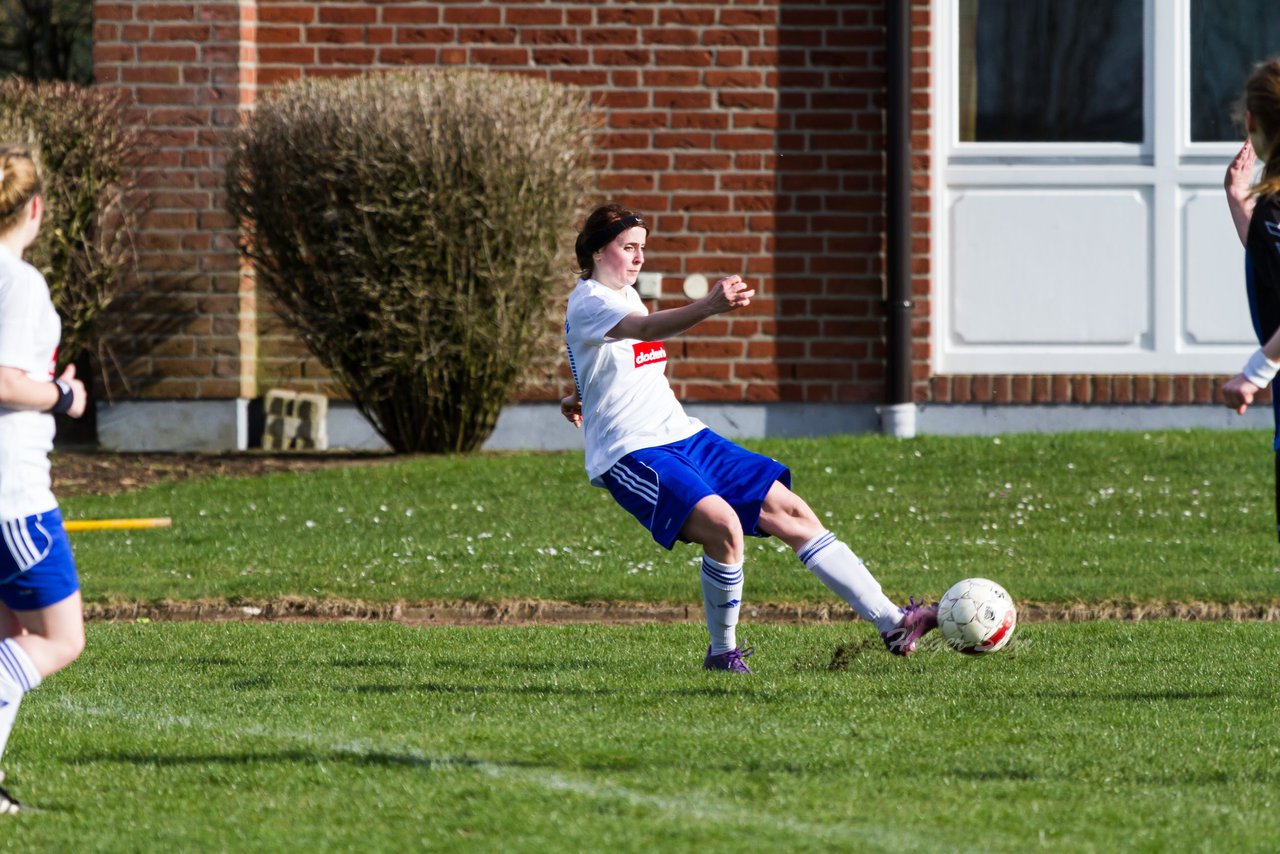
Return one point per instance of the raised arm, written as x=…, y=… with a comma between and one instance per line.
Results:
x=1237, y=182
x=727, y=294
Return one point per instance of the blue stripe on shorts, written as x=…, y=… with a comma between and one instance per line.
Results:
x=36, y=565
x=661, y=485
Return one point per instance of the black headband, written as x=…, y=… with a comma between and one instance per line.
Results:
x=605, y=236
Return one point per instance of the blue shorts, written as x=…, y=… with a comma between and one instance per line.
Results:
x=660, y=486
x=36, y=566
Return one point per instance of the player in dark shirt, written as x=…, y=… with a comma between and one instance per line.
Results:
x=1256, y=213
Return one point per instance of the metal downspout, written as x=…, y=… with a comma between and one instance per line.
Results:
x=898, y=415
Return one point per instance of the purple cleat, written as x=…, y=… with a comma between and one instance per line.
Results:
x=731, y=660
x=917, y=618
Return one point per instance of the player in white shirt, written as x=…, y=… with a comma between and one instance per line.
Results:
x=678, y=478
x=41, y=620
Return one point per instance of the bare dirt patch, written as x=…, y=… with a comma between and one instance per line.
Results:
x=543, y=612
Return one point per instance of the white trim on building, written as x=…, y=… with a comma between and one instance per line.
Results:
x=1077, y=258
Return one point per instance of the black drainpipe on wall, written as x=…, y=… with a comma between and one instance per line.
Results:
x=898, y=415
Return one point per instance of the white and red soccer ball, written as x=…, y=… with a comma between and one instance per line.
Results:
x=977, y=616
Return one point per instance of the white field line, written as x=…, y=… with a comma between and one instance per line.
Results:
x=592, y=787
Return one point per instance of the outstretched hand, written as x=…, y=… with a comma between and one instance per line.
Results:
x=728, y=294
x=1240, y=171
x=1238, y=182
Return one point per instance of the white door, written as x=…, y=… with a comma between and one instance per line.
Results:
x=1080, y=145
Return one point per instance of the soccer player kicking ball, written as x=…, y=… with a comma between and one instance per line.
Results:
x=678, y=478
x=41, y=621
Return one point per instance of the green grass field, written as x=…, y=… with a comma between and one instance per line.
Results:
x=1097, y=736
x=1154, y=736
x=1081, y=517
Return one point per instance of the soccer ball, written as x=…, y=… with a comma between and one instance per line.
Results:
x=976, y=616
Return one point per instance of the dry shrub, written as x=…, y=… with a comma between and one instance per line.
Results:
x=89, y=154
x=411, y=228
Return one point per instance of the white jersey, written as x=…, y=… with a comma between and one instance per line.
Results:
x=627, y=403
x=29, y=334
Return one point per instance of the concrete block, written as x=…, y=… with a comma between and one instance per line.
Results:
x=295, y=421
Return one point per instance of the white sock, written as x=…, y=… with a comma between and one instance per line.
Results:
x=842, y=571
x=17, y=676
x=722, y=597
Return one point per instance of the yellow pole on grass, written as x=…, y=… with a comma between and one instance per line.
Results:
x=116, y=524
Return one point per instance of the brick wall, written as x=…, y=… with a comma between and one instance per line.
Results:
x=187, y=323
x=749, y=131
x=1090, y=389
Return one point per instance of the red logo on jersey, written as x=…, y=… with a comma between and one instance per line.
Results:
x=649, y=353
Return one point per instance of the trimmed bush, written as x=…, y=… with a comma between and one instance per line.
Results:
x=412, y=228
x=88, y=153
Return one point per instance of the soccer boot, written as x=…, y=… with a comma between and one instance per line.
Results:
x=731, y=660
x=917, y=618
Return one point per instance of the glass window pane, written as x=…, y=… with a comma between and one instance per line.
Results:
x=1228, y=38
x=1051, y=70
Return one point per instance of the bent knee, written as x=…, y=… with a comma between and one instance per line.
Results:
x=716, y=526
x=75, y=646
x=788, y=516
x=727, y=531
x=66, y=648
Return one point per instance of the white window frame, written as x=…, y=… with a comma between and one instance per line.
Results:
x=1166, y=163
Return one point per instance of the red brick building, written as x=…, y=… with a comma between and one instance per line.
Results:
x=753, y=132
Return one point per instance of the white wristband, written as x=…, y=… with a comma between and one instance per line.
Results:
x=1260, y=370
